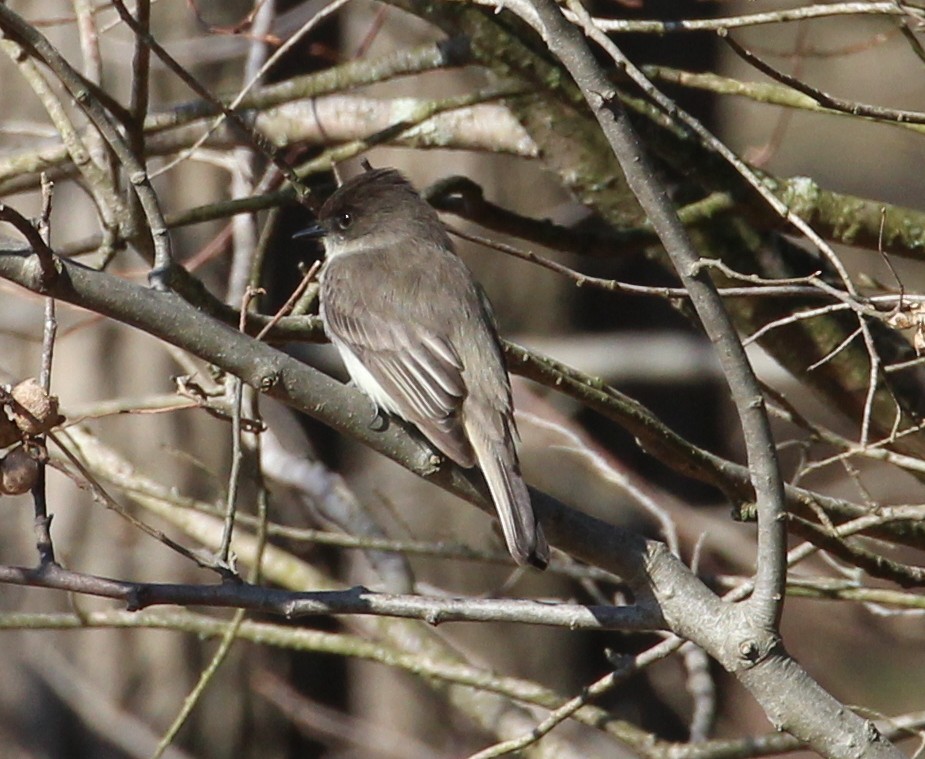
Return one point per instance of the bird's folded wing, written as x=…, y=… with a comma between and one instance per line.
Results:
x=419, y=373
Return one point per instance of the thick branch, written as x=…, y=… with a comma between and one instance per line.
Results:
x=168, y=317
x=686, y=605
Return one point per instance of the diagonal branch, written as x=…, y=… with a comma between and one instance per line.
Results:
x=654, y=574
x=825, y=725
x=565, y=41
x=32, y=40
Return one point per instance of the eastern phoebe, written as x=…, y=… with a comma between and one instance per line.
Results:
x=418, y=336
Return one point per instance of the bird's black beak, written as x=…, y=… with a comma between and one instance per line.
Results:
x=314, y=232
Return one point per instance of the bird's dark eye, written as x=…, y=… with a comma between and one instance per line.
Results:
x=343, y=220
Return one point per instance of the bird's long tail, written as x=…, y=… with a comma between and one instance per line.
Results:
x=498, y=462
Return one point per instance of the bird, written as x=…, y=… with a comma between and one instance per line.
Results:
x=418, y=336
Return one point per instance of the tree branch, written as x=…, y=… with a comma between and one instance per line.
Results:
x=566, y=43
x=33, y=41
x=827, y=724
x=434, y=610
x=653, y=573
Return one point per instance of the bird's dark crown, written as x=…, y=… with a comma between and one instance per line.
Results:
x=374, y=198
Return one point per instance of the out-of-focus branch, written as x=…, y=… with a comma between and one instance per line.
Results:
x=357, y=123
x=105, y=195
x=724, y=23
x=287, y=458
x=435, y=669
x=20, y=170
x=35, y=43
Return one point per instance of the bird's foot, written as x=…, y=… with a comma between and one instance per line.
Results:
x=380, y=422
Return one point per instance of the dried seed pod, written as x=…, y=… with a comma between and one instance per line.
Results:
x=18, y=471
x=9, y=432
x=35, y=411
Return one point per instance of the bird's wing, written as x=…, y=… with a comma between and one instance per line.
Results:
x=412, y=373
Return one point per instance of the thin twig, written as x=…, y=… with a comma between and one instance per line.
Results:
x=822, y=98
x=41, y=519
x=86, y=98
x=236, y=387
x=598, y=688
x=100, y=494
x=723, y=23
x=50, y=323
x=228, y=111
x=291, y=604
x=291, y=301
